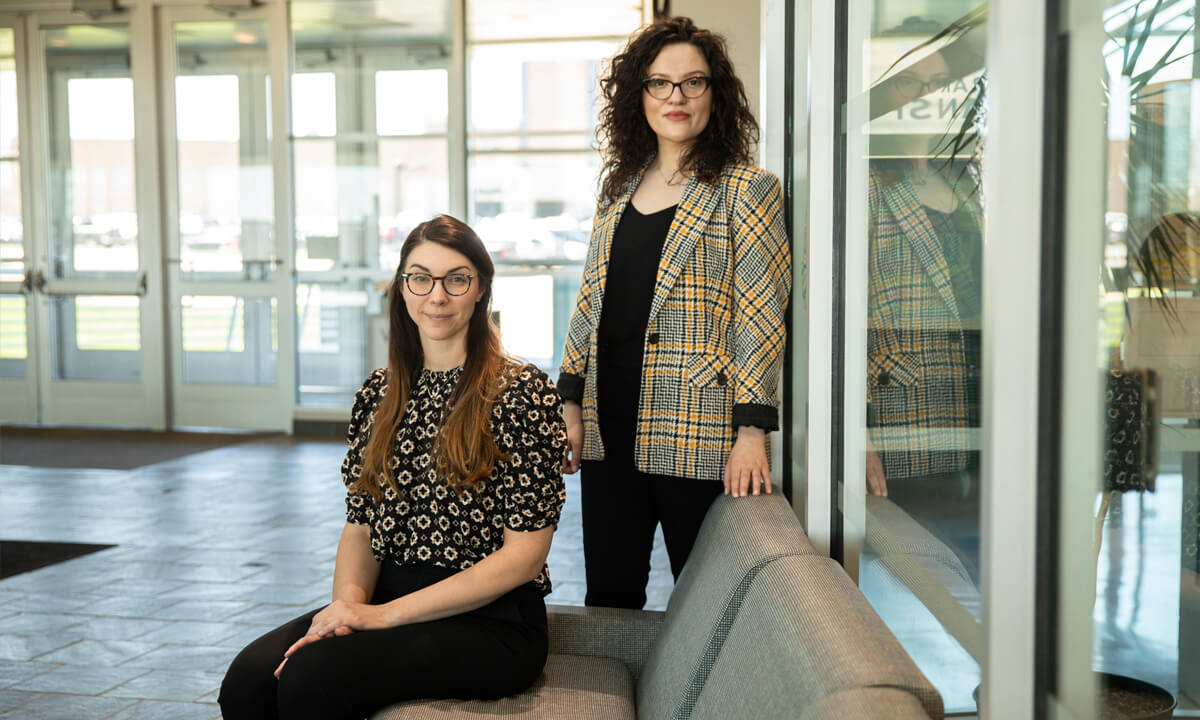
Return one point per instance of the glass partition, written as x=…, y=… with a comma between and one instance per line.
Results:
x=1138, y=322
x=914, y=239
x=371, y=109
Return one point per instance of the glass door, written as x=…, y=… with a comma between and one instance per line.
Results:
x=228, y=270
x=18, y=381
x=95, y=314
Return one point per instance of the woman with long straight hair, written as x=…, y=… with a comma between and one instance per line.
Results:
x=454, y=487
x=673, y=353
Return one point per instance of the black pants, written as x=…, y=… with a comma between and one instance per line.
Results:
x=497, y=650
x=621, y=508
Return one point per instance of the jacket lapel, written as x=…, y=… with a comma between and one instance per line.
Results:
x=916, y=226
x=691, y=216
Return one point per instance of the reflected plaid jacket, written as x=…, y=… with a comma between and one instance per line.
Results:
x=917, y=366
x=715, y=335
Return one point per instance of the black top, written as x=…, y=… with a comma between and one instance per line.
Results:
x=621, y=335
x=961, y=240
x=962, y=245
x=428, y=523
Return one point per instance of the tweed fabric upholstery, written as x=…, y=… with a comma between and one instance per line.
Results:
x=738, y=537
x=909, y=555
x=820, y=636
x=572, y=686
x=618, y=633
x=715, y=334
x=877, y=703
x=917, y=367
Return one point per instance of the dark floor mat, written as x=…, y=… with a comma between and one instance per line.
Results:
x=19, y=556
x=105, y=449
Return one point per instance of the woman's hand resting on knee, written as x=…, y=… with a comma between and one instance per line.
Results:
x=341, y=617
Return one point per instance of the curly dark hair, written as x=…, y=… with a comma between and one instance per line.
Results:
x=625, y=137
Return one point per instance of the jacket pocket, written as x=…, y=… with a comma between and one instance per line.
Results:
x=707, y=370
x=894, y=369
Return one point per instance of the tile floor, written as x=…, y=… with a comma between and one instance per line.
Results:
x=211, y=550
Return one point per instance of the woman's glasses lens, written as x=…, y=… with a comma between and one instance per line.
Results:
x=422, y=283
x=661, y=89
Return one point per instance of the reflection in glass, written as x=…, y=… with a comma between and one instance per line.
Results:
x=1147, y=609
x=93, y=201
x=228, y=340
x=96, y=337
x=226, y=208
x=924, y=249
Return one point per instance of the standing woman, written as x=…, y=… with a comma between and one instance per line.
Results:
x=454, y=487
x=672, y=357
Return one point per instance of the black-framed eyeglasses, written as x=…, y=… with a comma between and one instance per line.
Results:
x=422, y=283
x=911, y=86
x=662, y=88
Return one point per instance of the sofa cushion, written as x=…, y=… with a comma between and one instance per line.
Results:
x=618, y=633
x=866, y=704
x=804, y=632
x=739, y=536
x=571, y=686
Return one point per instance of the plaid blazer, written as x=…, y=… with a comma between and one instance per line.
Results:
x=715, y=335
x=917, y=367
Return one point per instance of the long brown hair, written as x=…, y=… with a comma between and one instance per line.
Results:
x=464, y=451
x=626, y=140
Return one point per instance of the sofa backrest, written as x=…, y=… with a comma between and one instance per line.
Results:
x=803, y=633
x=739, y=537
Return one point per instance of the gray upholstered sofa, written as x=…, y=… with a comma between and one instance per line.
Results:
x=758, y=626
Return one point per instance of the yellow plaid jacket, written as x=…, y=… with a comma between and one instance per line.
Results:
x=917, y=368
x=715, y=335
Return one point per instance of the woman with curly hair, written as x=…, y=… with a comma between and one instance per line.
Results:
x=454, y=487
x=673, y=353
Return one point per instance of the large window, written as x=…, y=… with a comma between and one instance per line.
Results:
x=371, y=127
x=533, y=96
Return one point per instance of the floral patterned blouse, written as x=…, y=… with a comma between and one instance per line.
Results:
x=428, y=523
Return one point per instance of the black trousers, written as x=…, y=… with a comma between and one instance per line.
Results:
x=621, y=508
x=497, y=650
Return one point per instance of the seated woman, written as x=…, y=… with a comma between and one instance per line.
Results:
x=454, y=489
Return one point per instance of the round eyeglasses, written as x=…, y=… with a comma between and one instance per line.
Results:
x=661, y=88
x=422, y=283
x=911, y=86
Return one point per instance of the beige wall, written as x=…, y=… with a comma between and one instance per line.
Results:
x=739, y=22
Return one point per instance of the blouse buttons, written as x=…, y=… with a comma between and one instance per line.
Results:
x=652, y=338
